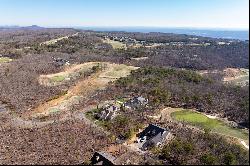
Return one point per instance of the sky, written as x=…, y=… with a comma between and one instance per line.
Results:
x=229, y=14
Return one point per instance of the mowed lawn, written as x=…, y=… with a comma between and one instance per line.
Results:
x=204, y=122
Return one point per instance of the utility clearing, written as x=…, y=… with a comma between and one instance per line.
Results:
x=84, y=88
x=140, y=58
x=5, y=59
x=54, y=41
x=214, y=125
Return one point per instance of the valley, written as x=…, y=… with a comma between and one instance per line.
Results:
x=68, y=93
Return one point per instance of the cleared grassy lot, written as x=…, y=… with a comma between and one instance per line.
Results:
x=5, y=59
x=70, y=73
x=204, y=122
x=118, y=71
x=58, y=78
x=115, y=44
x=83, y=87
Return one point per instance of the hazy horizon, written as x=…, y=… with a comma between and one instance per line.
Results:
x=146, y=27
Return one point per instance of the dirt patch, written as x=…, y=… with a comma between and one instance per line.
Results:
x=83, y=88
x=232, y=72
x=70, y=73
x=236, y=76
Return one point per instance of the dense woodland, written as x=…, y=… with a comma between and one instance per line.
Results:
x=213, y=56
x=182, y=88
x=166, y=78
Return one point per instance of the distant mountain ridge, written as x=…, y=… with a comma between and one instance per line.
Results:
x=32, y=27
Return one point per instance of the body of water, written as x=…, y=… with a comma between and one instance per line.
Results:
x=214, y=33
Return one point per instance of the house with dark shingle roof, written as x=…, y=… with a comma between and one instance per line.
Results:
x=152, y=136
x=102, y=158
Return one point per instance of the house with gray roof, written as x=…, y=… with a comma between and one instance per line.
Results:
x=152, y=136
x=135, y=103
x=108, y=112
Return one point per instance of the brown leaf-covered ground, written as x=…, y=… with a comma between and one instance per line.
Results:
x=70, y=142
